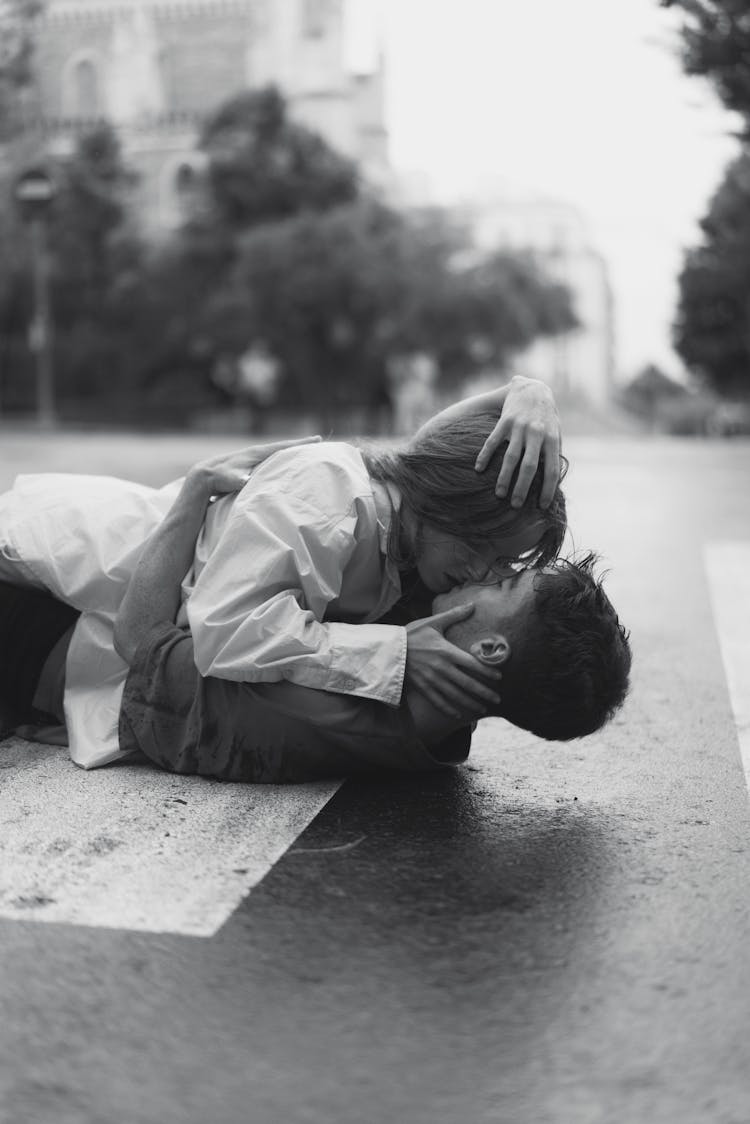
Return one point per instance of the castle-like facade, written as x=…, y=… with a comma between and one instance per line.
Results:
x=155, y=69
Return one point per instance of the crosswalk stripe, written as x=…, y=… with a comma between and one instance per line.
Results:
x=728, y=569
x=130, y=847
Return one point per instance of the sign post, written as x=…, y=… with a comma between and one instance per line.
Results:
x=34, y=192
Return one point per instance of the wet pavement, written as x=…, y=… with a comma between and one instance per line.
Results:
x=555, y=933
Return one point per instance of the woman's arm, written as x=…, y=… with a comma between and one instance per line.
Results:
x=529, y=422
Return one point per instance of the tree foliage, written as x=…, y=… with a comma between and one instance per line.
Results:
x=286, y=249
x=89, y=228
x=284, y=255
x=712, y=327
x=263, y=166
x=16, y=51
x=712, y=324
x=716, y=45
x=92, y=253
x=340, y=297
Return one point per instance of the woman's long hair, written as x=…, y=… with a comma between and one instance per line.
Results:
x=435, y=475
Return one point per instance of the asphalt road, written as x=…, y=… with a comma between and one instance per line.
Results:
x=555, y=933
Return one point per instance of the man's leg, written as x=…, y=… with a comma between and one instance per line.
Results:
x=33, y=626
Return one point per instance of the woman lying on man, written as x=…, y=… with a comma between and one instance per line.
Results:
x=292, y=575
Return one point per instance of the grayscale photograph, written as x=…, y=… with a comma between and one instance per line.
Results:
x=374, y=561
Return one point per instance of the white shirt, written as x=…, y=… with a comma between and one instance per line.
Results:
x=305, y=540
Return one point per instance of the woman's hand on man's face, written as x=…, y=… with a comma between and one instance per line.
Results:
x=452, y=680
x=529, y=422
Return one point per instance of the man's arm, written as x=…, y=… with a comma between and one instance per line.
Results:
x=529, y=422
x=154, y=591
x=153, y=594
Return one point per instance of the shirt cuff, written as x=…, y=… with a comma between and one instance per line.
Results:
x=365, y=660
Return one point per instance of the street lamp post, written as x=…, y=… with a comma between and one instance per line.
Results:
x=34, y=192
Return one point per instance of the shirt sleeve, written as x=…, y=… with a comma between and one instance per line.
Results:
x=265, y=733
x=170, y=714
x=257, y=611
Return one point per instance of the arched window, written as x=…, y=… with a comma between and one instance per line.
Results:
x=85, y=89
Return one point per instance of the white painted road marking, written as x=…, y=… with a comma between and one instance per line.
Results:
x=728, y=568
x=130, y=847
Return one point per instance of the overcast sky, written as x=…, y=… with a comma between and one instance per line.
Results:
x=577, y=100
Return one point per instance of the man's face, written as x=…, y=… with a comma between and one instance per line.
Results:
x=499, y=607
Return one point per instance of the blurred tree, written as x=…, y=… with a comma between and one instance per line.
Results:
x=93, y=254
x=712, y=326
x=473, y=310
x=339, y=297
x=16, y=51
x=285, y=264
x=263, y=166
x=16, y=149
x=90, y=230
x=96, y=257
x=716, y=45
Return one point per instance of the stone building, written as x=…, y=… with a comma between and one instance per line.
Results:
x=156, y=68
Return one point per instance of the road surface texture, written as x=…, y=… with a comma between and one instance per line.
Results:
x=554, y=933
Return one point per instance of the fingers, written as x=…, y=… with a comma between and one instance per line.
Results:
x=444, y=620
x=459, y=694
x=524, y=453
x=551, y=469
x=510, y=460
x=437, y=698
x=490, y=446
x=529, y=465
x=467, y=685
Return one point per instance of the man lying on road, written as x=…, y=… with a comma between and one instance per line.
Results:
x=564, y=657
x=293, y=574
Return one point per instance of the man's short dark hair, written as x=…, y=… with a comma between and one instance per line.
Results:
x=569, y=666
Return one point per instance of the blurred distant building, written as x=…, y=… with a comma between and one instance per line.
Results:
x=582, y=362
x=156, y=69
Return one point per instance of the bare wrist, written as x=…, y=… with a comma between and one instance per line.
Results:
x=196, y=487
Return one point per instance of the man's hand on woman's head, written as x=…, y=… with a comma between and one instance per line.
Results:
x=451, y=680
x=229, y=472
x=529, y=422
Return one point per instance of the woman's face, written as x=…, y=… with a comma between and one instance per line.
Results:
x=443, y=561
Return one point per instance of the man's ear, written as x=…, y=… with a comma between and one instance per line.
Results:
x=493, y=650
